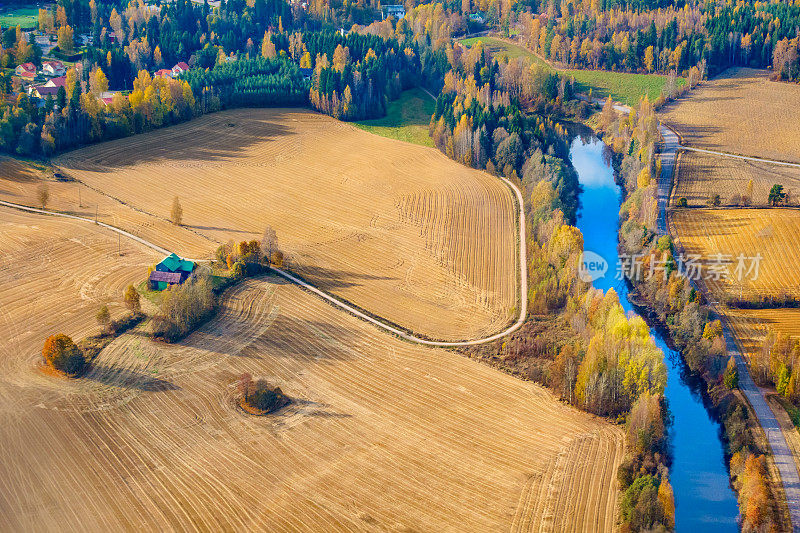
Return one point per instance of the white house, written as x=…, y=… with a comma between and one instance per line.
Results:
x=180, y=68
x=53, y=68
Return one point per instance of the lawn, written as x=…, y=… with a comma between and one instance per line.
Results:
x=622, y=86
x=406, y=119
x=27, y=17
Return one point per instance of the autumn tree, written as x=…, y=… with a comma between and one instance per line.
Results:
x=61, y=353
x=103, y=317
x=98, y=82
x=46, y=22
x=267, y=46
x=131, y=298
x=176, y=214
x=269, y=243
x=731, y=376
x=43, y=195
x=66, y=39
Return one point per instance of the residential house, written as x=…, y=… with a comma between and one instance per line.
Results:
x=53, y=68
x=26, y=70
x=43, y=91
x=163, y=73
x=397, y=11
x=180, y=68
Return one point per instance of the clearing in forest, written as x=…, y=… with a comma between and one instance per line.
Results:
x=624, y=87
x=741, y=112
x=720, y=236
x=397, y=229
x=701, y=176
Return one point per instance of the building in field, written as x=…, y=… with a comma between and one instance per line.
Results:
x=172, y=270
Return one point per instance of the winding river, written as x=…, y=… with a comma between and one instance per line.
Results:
x=704, y=500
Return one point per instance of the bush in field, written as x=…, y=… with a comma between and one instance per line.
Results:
x=62, y=354
x=259, y=395
x=103, y=317
x=176, y=213
x=43, y=195
x=683, y=202
x=184, y=308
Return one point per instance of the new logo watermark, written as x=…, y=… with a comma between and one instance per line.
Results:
x=592, y=266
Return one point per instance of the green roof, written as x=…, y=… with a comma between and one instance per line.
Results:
x=173, y=263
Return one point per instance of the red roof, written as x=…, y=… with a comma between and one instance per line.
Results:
x=54, y=63
x=107, y=101
x=164, y=72
x=182, y=65
x=29, y=67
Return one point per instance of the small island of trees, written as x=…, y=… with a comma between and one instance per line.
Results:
x=259, y=397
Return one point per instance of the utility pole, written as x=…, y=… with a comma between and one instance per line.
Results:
x=96, y=209
x=80, y=202
x=119, y=244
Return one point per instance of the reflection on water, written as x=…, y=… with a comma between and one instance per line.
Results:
x=704, y=500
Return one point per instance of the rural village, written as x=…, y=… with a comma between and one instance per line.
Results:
x=336, y=265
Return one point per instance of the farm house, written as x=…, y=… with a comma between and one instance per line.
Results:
x=172, y=270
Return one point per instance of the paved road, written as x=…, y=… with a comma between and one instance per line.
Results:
x=781, y=452
x=669, y=153
x=377, y=321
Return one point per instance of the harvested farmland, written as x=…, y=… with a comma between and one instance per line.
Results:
x=773, y=233
x=54, y=275
x=701, y=176
x=741, y=112
x=397, y=229
x=751, y=325
x=381, y=434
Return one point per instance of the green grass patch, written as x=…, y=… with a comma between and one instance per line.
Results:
x=27, y=17
x=622, y=86
x=791, y=410
x=406, y=119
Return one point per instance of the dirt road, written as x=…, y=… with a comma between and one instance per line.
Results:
x=377, y=321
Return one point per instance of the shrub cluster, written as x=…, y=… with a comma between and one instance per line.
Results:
x=184, y=308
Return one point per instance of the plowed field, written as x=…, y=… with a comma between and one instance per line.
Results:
x=381, y=434
x=397, y=229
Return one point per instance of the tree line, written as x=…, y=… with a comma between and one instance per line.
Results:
x=680, y=308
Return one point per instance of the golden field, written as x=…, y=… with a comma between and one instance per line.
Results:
x=699, y=176
x=774, y=233
x=381, y=434
x=751, y=325
x=741, y=112
x=395, y=228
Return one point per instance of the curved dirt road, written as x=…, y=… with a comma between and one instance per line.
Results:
x=781, y=452
x=521, y=260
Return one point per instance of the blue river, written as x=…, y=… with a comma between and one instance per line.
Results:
x=704, y=500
